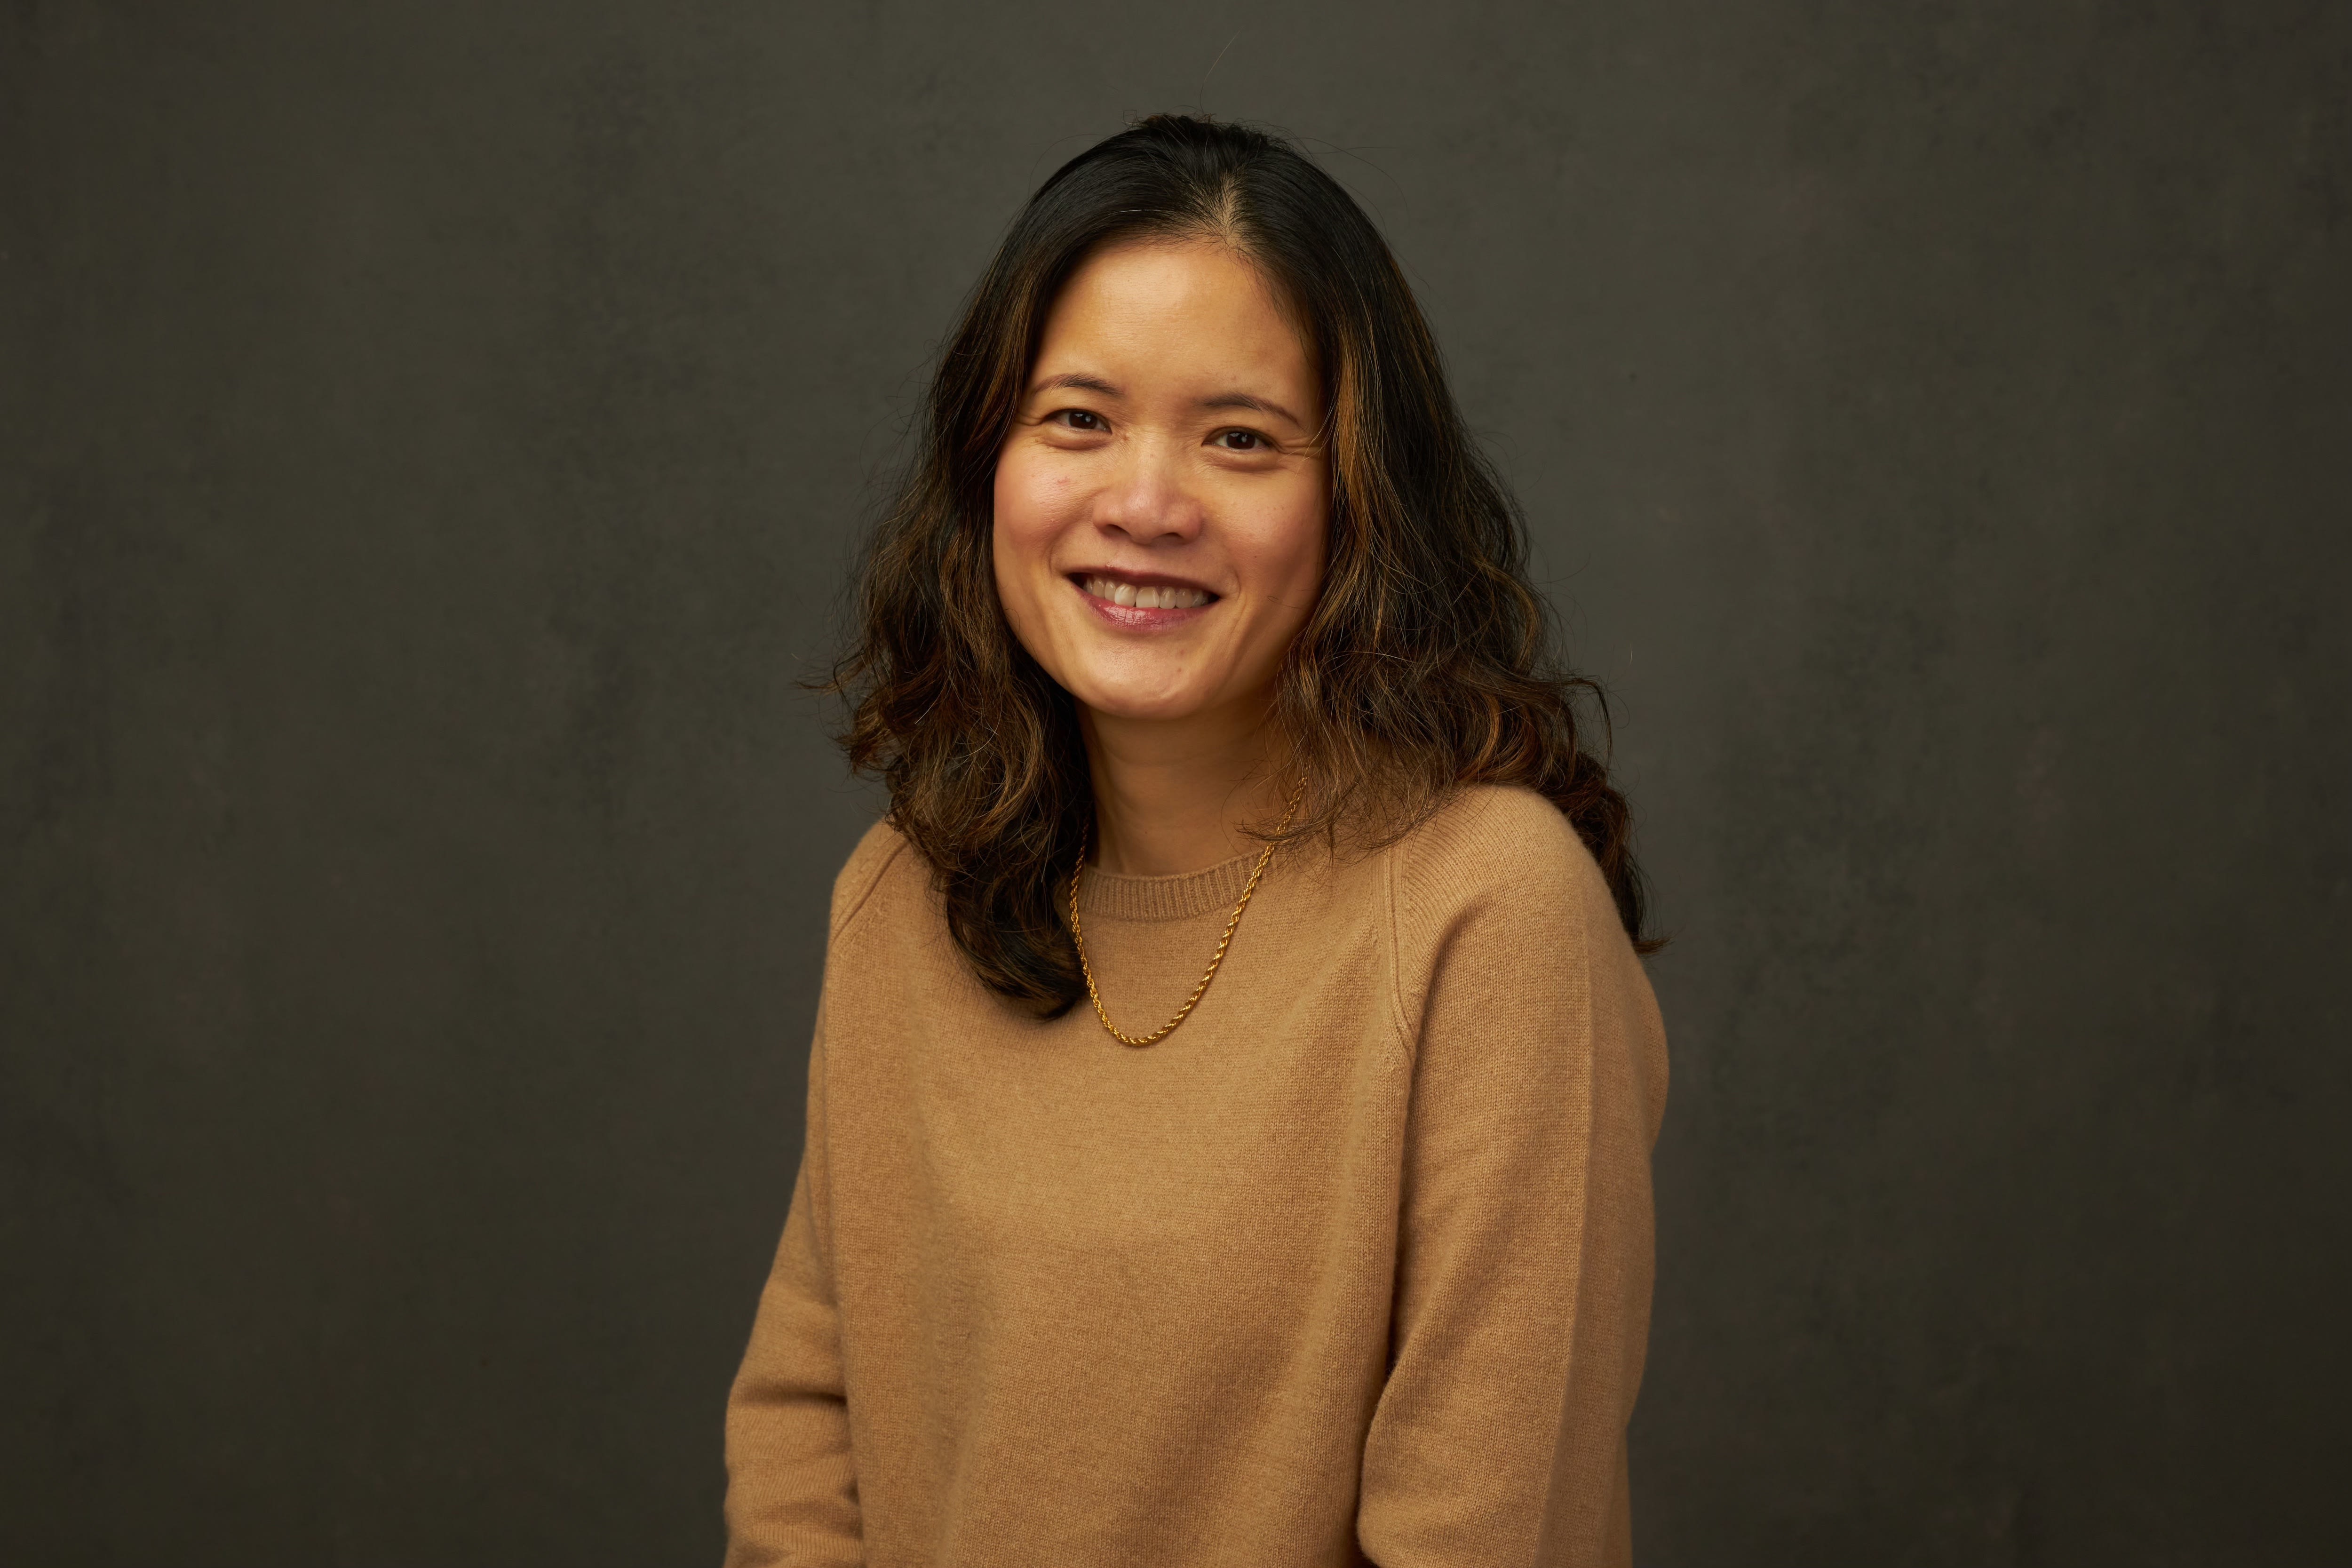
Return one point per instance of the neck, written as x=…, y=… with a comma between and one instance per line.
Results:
x=1176, y=796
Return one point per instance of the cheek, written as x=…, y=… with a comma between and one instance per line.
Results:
x=1028, y=504
x=1021, y=538
x=1291, y=553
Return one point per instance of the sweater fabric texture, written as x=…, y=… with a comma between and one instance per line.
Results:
x=1354, y=1266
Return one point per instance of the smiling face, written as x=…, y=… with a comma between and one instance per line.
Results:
x=1162, y=499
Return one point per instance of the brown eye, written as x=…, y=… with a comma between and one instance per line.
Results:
x=1081, y=419
x=1240, y=440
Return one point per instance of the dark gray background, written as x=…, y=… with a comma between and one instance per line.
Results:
x=433, y=435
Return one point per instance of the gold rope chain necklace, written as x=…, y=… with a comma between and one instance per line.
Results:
x=1223, y=941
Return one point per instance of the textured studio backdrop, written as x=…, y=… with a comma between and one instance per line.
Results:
x=432, y=437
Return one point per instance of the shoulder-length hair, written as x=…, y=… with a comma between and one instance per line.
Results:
x=1422, y=668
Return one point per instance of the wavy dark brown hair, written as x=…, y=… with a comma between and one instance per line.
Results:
x=1424, y=667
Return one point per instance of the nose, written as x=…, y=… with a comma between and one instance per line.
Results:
x=1149, y=499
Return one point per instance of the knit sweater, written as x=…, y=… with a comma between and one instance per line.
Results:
x=1353, y=1266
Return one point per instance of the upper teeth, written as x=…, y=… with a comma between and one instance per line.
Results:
x=1147, y=598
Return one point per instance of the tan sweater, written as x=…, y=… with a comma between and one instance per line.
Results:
x=1354, y=1266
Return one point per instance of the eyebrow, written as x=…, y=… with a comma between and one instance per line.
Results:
x=1082, y=383
x=1248, y=400
x=1220, y=400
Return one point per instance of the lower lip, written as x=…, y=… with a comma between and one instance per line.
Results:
x=1129, y=618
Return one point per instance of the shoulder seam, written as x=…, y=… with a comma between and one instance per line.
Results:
x=1402, y=1039
x=864, y=894
x=1468, y=808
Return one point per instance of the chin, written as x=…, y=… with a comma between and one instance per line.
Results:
x=1125, y=702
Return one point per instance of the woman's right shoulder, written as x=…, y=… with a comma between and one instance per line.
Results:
x=883, y=856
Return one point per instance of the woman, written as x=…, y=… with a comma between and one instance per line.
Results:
x=1230, y=1111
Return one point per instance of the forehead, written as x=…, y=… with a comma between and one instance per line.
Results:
x=1174, y=310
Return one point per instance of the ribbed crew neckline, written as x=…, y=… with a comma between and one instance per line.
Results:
x=1178, y=897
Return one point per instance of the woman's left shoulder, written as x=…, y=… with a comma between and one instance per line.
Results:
x=1497, y=889
x=1494, y=842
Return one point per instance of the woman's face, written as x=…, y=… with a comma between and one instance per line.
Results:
x=1161, y=502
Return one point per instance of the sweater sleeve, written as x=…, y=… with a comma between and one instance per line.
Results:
x=791, y=1483
x=792, y=1488
x=1524, y=1252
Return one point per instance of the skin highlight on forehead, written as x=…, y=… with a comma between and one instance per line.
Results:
x=1156, y=289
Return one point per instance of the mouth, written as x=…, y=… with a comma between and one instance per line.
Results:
x=1140, y=599
x=1142, y=592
